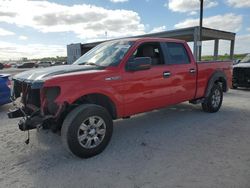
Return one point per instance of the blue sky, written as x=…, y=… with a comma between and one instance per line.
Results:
x=44, y=28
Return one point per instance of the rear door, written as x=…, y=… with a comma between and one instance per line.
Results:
x=182, y=71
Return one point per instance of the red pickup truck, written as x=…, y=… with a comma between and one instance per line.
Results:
x=116, y=79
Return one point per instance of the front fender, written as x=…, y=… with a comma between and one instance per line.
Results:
x=72, y=94
x=76, y=85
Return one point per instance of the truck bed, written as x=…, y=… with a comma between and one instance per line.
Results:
x=205, y=71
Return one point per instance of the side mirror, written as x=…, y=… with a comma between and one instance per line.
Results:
x=139, y=63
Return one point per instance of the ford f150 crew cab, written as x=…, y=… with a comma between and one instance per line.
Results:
x=116, y=79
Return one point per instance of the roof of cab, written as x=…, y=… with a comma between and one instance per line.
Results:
x=149, y=39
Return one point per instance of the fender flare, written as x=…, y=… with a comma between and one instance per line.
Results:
x=216, y=76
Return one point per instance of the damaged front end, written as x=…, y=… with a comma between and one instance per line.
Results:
x=37, y=106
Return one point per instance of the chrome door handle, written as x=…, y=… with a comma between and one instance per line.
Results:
x=166, y=74
x=192, y=71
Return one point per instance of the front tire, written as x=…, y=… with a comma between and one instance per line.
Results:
x=87, y=130
x=214, y=100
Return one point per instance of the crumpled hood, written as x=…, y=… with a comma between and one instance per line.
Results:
x=242, y=65
x=41, y=73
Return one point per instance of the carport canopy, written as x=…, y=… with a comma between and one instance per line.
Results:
x=190, y=34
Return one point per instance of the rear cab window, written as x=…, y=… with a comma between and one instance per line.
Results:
x=176, y=53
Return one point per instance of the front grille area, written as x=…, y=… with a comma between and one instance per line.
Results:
x=241, y=76
x=29, y=96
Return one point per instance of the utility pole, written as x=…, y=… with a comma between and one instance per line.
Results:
x=200, y=33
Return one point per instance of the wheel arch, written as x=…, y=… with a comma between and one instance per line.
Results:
x=98, y=99
x=217, y=77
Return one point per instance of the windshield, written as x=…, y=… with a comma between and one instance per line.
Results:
x=246, y=59
x=105, y=54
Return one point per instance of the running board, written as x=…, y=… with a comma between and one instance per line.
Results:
x=197, y=101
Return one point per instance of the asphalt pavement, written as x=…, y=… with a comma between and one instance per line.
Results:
x=178, y=146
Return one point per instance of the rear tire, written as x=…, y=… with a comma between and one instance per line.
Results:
x=87, y=130
x=214, y=100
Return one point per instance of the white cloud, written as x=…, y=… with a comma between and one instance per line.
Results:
x=191, y=5
x=118, y=1
x=158, y=29
x=226, y=22
x=242, y=44
x=193, y=13
x=4, y=32
x=86, y=21
x=16, y=51
x=239, y=3
x=248, y=29
x=22, y=37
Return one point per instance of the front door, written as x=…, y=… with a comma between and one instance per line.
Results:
x=147, y=89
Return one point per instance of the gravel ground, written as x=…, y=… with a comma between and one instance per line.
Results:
x=180, y=146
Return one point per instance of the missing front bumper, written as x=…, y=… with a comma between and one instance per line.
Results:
x=27, y=122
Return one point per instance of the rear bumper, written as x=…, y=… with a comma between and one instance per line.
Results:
x=5, y=97
x=5, y=101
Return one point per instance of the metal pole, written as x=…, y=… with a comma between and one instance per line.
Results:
x=232, y=49
x=201, y=23
x=216, y=49
x=196, y=41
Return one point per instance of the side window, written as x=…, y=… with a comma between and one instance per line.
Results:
x=177, y=53
x=152, y=50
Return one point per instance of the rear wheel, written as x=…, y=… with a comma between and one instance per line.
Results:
x=87, y=130
x=213, y=102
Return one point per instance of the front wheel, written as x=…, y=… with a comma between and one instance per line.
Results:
x=213, y=102
x=87, y=130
